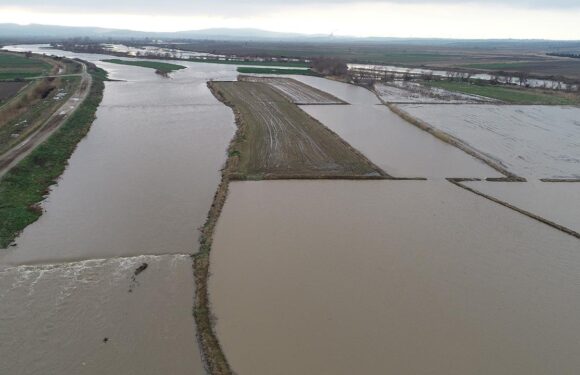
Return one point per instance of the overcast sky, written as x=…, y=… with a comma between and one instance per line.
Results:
x=547, y=19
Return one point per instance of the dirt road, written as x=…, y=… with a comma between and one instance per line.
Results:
x=10, y=158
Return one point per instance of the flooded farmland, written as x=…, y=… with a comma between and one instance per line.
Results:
x=307, y=277
x=398, y=147
x=558, y=202
x=439, y=285
x=531, y=141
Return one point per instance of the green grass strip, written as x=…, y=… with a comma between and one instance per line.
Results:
x=166, y=67
x=505, y=94
x=254, y=70
x=289, y=64
x=25, y=186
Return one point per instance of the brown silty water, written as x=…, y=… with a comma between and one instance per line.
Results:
x=558, y=202
x=398, y=147
x=143, y=179
x=405, y=277
x=98, y=317
x=141, y=182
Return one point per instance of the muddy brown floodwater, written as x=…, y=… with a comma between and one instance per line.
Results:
x=398, y=147
x=402, y=277
x=134, y=193
x=558, y=202
x=143, y=179
x=97, y=317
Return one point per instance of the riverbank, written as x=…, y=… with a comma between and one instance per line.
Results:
x=25, y=185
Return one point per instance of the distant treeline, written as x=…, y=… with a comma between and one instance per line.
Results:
x=572, y=55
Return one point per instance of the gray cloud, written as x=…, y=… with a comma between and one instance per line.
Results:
x=236, y=7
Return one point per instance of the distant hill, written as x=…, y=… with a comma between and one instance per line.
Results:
x=47, y=31
x=37, y=32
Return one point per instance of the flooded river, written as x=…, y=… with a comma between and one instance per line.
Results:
x=402, y=277
x=97, y=317
x=143, y=179
x=135, y=192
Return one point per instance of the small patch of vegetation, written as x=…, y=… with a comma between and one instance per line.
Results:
x=509, y=94
x=25, y=186
x=254, y=70
x=158, y=66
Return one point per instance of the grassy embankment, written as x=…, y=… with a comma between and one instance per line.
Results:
x=158, y=66
x=25, y=185
x=287, y=64
x=509, y=94
x=254, y=70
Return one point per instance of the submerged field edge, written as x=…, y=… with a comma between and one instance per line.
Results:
x=449, y=139
x=28, y=182
x=459, y=182
x=277, y=177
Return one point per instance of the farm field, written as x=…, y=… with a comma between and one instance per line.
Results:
x=531, y=141
x=296, y=91
x=558, y=202
x=13, y=66
x=405, y=277
x=277, y=139
x=9, y=89
x=508, y=94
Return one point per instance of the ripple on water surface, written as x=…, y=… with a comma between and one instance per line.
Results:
x=99, y=317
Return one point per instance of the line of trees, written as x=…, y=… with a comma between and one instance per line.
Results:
x=329, y=66
x=567, y=54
